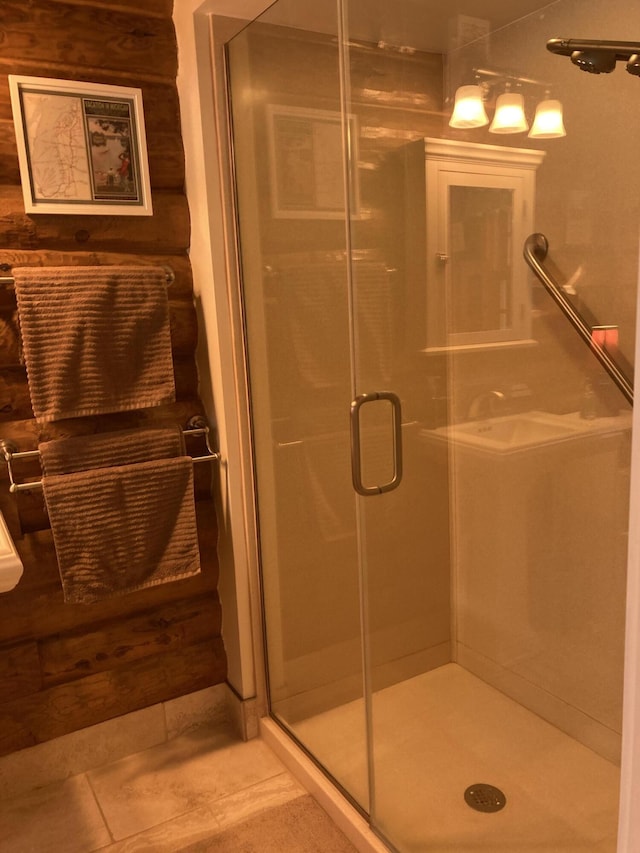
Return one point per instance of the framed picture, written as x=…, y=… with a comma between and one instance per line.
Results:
x=81, y=146
x=306, y=163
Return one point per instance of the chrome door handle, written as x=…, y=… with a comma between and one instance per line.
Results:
x=356, y=461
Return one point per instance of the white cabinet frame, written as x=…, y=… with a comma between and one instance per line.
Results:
x=449, y=164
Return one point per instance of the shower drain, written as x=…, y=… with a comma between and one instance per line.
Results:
x=485, y=798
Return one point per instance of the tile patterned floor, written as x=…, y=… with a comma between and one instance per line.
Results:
x=203, y=792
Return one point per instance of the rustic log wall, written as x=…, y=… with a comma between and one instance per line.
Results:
x=63, y=666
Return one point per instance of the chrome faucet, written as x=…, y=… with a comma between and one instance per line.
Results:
x=484, y=405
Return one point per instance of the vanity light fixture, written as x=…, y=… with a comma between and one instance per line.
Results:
x=469, y=109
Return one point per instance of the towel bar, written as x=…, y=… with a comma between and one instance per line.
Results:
x=195, y=426
x=9, y=282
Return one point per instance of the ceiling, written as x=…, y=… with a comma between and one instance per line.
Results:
x=422, y=24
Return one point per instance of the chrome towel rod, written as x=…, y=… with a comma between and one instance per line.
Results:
x=8, y=281
x=10, y=453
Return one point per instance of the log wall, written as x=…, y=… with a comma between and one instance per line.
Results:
x=66, y=666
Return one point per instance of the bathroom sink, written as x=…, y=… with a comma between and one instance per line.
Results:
x=514, y=431
x=527, y=431
x=10, y=563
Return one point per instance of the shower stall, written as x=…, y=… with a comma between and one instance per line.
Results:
x=441, y=457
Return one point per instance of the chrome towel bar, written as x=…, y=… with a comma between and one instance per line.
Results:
x=195, y=427
x=8, y=281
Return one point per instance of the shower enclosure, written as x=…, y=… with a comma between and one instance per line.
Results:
x=441, y=464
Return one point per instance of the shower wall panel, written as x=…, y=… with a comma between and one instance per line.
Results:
x=549, y=531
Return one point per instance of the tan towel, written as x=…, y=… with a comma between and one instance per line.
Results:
x=105, y=450
x=95, y=339
x=314, y=295
x=125, y=528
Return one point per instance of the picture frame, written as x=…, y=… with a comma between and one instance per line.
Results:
x=306, y=163
x=81, y=147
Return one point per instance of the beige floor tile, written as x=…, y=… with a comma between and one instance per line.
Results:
x=250, y=802
x=207, y=821
x=187, y=773
x=77, y=752
x=297, y=827
x=60, y=817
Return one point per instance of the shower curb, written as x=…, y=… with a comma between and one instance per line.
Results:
x=344, y=815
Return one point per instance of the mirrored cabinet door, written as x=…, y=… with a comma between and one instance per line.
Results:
x=480, y=201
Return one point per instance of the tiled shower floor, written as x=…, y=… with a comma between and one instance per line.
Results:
x=438, y=733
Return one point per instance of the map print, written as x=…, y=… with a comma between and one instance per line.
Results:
x=80, y=148
x=57, y=145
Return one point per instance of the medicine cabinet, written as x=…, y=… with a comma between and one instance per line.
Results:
x=479, y=211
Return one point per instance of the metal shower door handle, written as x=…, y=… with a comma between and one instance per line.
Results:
x=356, y=461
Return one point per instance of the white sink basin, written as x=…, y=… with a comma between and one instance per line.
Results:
x=513, y=433
x=10, y=563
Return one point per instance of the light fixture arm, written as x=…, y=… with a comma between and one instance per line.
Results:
x=484, y=75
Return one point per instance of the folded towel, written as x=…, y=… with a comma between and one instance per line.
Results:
x=374, y=304
x=106, y=450
x=95, y=339
x=326, y=463
x=315, y=294
x=125, y=528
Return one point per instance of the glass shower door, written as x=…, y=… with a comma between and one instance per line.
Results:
x=336, y=412
x=494, y=636
x=292, y=209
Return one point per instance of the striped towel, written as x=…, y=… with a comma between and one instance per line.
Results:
x=121, y=529
x=95, y=339
x=313, y=296
x=105, y=450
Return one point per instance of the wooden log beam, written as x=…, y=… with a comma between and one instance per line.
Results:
x=67, y=657
x=88, y=36
x=84, y=702
x=19, y=670
x=166, y=232
x=157, y=8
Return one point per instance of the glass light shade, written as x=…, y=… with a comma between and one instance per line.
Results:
x=509, y=116
x=548, y=123
x=468, y=110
